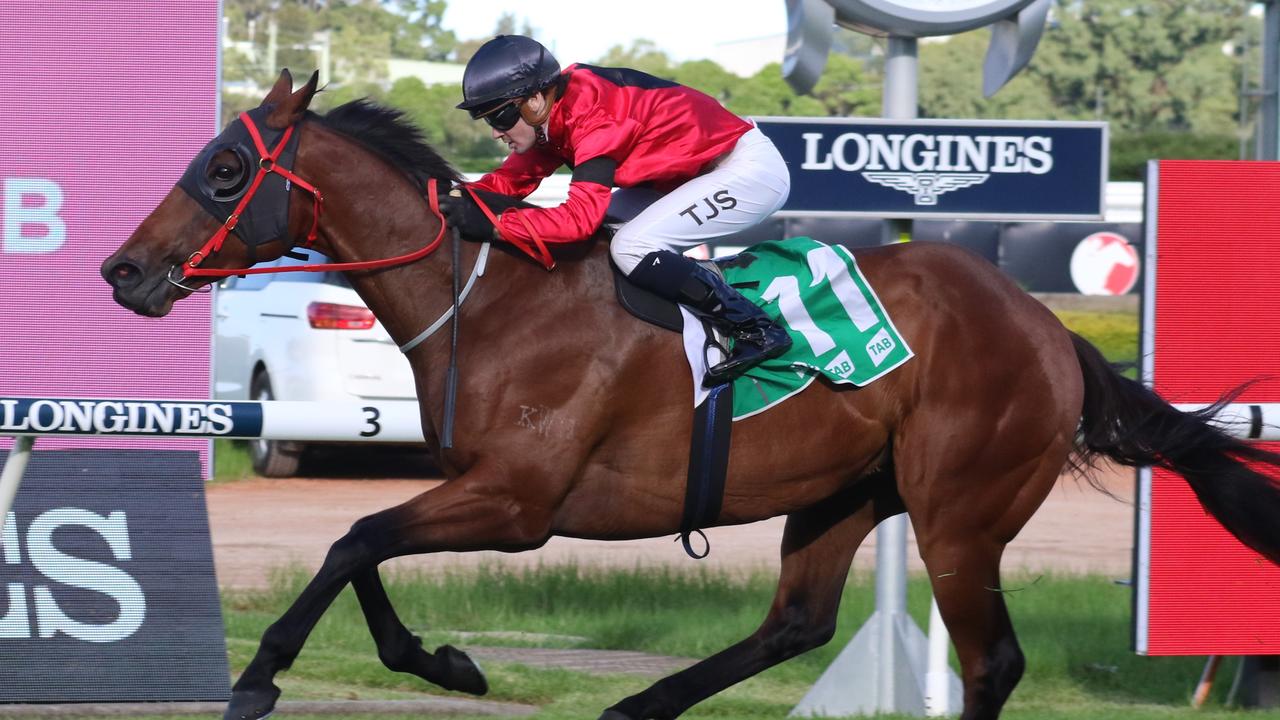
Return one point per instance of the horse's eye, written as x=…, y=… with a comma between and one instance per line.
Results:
x=225, y=173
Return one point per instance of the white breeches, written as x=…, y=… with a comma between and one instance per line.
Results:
x=744, y=187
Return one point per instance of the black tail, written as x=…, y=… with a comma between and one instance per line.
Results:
x=1127, y=422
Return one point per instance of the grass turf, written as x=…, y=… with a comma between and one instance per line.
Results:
x=1074, y=631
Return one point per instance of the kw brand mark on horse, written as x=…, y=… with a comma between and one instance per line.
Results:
x=967, y=438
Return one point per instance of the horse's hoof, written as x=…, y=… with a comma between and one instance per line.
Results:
x=461, y=673
x=251, y=704
x=612, y=714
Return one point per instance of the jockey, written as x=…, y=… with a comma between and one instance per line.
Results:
x=698, y=171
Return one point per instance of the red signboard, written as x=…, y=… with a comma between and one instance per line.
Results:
x=1211, y=322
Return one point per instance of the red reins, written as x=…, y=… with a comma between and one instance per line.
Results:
x=538, y=250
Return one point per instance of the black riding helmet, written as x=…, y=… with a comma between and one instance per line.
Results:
x=505, y=68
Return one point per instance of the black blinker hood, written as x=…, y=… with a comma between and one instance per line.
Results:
x=266, y=217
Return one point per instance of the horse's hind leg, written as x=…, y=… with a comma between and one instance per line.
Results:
x=962, y=525
x=817, y=548
x=966, y=584
x=402, y=651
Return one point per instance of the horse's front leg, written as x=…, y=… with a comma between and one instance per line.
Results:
x=477, y=511
x=400, y=650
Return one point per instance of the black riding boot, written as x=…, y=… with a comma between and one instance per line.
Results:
x=756, y=337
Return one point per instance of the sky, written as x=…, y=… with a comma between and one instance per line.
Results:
x=583, y=30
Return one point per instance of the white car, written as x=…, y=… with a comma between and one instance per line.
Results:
x=300, y=336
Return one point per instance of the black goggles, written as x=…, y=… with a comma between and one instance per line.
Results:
x=505, y=116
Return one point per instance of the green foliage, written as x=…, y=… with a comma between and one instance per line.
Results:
x=848, y=87
x=766, y=93
x=951, y=85
x=643, y=55
x=468, y=144
x=420, y=36
x=708, y=77
x=1131, y=151
x=1142, y=66
x=361, y=35
x=1155, y=70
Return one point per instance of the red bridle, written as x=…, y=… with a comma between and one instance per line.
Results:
x=266, y=165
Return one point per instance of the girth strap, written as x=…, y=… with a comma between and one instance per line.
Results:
x=708, y=463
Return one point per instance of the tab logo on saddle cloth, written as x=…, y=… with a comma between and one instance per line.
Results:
x=839, y=328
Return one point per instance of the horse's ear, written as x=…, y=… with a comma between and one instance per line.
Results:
x=289, y=106
x=281, y=90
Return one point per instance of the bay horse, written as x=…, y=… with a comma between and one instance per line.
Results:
x=967, y=438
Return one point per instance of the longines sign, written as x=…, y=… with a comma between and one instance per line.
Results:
x=988, y=170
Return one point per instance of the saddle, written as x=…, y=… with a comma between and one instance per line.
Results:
x=646, y=305
x=656, y=310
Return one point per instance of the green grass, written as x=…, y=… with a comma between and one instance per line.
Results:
x=1074, y=631
x=231, y=461
x=1114, y=333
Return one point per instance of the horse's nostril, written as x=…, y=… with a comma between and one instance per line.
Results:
x=123, y=275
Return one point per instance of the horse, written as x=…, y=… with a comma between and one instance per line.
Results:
x=967, y=438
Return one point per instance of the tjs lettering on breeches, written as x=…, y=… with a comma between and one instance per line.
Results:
x=723, y=200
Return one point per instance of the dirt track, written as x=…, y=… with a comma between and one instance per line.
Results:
x=260, y=524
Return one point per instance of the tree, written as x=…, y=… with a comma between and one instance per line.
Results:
x=846, y=88
x=1144, y=65
x=1156, y=71
x=643, y=55
x=466, y=143
x=708, y=77
x=951, y=85
x=506, y=25
x=421, y=36
x=360, y=39
x=1141, y=65
x=296, y=24
x=767, y=93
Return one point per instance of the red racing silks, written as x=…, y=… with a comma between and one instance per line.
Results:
x=660, y=133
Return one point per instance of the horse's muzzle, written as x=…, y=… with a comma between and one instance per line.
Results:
x=144, y=293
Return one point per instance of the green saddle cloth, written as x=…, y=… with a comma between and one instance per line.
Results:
x=839, y=330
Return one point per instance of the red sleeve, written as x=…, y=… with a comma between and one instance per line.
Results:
x=520, y=175
x=575, y=219
x=596, y=139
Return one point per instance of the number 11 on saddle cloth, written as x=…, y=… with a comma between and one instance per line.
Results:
x=839, y=329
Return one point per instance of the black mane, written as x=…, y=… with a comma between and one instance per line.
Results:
x=388, y=133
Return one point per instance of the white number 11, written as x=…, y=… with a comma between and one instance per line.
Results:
x=824, y=264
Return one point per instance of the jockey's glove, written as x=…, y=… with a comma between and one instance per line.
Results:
x=464, y=214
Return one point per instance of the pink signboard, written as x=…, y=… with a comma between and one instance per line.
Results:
x=102, y=105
